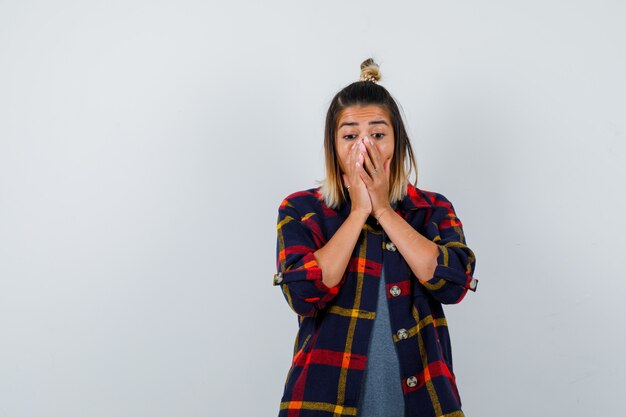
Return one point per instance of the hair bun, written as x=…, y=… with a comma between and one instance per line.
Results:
x=370, y=71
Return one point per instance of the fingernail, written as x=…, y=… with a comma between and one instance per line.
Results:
x=367, y=139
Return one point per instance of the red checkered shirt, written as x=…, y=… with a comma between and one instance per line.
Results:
x=330, y=350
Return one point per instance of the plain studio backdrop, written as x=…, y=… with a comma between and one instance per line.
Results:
x=145, y=147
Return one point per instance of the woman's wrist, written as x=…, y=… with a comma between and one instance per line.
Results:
x=359, y=214
x=379, y=213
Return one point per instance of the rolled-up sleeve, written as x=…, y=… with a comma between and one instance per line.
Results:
x=298, y=272
x=456, y=262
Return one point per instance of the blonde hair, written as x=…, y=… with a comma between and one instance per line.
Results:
x=366, y=92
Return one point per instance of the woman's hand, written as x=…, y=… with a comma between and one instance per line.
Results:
x=375, y=174
x=359, y=197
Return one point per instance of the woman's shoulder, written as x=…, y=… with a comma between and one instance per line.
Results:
x=436, y=201
x=309, y=199
x=421, y=197
x=309, y=193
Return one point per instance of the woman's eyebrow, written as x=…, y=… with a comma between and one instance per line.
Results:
x=373, y=122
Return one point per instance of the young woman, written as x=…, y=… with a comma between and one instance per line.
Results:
x=366, y=260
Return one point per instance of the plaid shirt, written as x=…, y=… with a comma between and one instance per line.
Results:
x=335, y=324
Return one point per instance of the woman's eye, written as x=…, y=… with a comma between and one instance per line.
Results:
x=378, y=135
x=349, y=137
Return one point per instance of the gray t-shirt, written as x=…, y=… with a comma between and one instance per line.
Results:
x=381, y=392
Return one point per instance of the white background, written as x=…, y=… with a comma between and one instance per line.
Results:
x=145, y=147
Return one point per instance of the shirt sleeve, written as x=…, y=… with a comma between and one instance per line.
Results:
x=298, y=272
x=456, y=262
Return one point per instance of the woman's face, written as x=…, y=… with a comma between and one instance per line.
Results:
x=356, y=122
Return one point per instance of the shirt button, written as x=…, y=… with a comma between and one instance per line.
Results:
x=395, y=291
x=390, y=246
x=278, y=278
x=402, y=334
x=473, y=283
x=411, y=381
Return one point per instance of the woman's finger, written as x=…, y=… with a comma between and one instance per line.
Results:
x=357, y=161
x=352, y=159
x=362, y=173
x=360, y=163
x=364, y=176
x=374, y=153
x=369, y=164
x=388, y=168
x=354, y=162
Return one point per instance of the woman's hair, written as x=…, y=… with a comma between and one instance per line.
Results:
x=363, y=93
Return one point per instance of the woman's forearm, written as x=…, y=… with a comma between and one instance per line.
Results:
x=419, y=252
x=334, y=256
